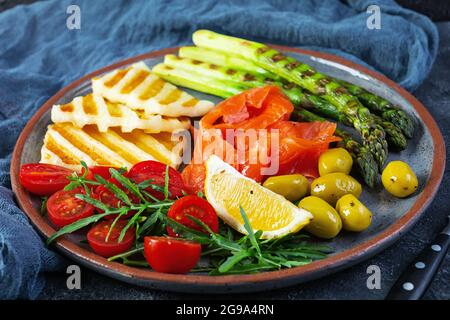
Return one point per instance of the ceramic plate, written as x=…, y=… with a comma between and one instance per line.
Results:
x=392, y=218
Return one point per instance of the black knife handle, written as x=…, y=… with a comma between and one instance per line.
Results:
x=416, y=278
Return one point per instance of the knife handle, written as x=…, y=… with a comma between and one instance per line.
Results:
x=414, y=281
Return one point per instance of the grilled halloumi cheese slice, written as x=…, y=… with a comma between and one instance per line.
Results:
x=138, y=88
x=66, y=145
x=94, y=109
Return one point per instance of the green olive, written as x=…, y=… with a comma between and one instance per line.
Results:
x=335, y=160
x=326, y=222
x=355, y=216
x=291, y=186
x=332, y=186
x=399, y=179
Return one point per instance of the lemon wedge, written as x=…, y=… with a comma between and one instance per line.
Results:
x=227, y=190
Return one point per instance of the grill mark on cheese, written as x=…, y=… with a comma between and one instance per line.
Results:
x=89, y=105
x=148, y=144
x=65, y=144
x=136, y=81
x=116, y=115
x=173, y=96
x=153, y=89
x=114, y=109
x=116, y=78
x=67, y=107
x=61, y=152
x=110, y=141
x=164, y=138
x=139, y=89
x=190, y=103
x=65, y=132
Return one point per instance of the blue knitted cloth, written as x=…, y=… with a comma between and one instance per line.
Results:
x=39, y=55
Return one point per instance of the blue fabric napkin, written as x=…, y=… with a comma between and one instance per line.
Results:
x=39, y=55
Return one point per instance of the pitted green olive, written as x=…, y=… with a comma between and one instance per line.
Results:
x=326, y=222
x=332, y=186
x=335, y=160
x=399, y=179
x=292, y=186
x=355, y=216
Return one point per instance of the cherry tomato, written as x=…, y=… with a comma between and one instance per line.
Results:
x=97, y=238
x=103, y=194
x=43, y=179
x=63, y=208
x=196, y=207
x=156, y=171
x=102, y=171
x=171, y=255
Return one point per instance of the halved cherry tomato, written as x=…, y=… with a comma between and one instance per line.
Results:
x=102, y=171
x=156, y=171
x=43, y=179
x=97, y=238
x=196, y=207
x=103, y=194
x=63, y=208
x=171, y=255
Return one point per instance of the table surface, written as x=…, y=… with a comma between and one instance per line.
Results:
x=347, y=284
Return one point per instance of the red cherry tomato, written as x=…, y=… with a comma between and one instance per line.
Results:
x=156, y=171
x=63, y=208
x=103, y=194
x=171, y=255
x=97, y=238
x=43, y=179
x=102, y=171
x=196, y=207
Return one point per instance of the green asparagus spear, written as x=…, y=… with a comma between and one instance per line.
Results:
x=214, y=70
x=386, y=110
x=393, y=135
x=195, y=81
x=307, y=78
x=360, y=154
x=220, y=58
x=239, y=77
x=190, y=78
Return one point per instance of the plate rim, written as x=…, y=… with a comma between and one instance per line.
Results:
x=237, y=283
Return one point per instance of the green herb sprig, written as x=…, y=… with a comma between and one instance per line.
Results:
x=225, y=252
x=250, y=253
x=148, y=206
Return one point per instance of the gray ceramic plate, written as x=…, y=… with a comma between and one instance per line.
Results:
x=392, y=217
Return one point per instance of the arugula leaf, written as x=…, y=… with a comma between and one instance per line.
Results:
x=232, y=260
x=113, y=224
x=96, y=203
x=166, y=183
x=76, y=226
x=118, y=193
x=251, y=234
x=150, y=222
x=130, y=223
x=216, y=238
x=43, y=209
x=72, y=185
x=124, y=181
x=138, y=248
x=248, y=268
x=188, y=233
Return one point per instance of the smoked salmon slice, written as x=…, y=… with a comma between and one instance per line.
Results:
x=263, y=112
